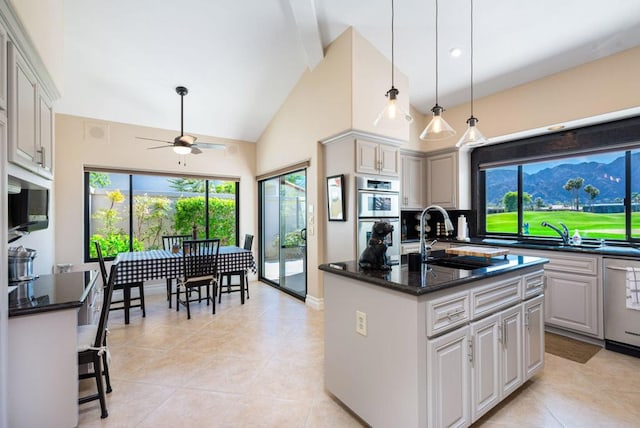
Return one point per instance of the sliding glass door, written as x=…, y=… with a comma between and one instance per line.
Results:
x=283, y=222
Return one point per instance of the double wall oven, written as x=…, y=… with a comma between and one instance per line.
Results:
x=378, y=199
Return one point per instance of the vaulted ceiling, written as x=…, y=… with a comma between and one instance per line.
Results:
x=240, y=59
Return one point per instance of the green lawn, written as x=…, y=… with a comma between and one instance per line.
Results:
x=590, y=225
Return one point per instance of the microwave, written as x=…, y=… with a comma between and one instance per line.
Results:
x=378, y=184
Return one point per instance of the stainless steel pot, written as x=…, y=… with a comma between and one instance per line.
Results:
x=21, y=264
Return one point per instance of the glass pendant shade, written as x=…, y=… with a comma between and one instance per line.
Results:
x=472, y=136
x=182, y=150
x=438, y=128
x=392, y=116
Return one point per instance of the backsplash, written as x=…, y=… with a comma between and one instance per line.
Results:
x=412, y=219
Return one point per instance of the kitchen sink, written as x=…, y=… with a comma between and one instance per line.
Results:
x=460, y=262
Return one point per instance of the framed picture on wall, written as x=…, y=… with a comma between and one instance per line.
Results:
x=335, y=198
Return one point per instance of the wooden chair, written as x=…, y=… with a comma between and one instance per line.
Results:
x=248, y=243
x=200, y=269
x=172, y=243
x=138, y=285
x=92, y=349
x=105, y=282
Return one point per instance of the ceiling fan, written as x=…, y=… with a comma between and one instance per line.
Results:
x=184, y=144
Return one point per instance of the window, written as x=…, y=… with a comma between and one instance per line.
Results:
x=131, y=212
x=587, y=179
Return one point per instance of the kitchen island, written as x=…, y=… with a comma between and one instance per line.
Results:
x=436, y=347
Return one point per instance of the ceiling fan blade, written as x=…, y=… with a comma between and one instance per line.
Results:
x=159, y=147
x=213, y=146
x=195, y=150
x=154, y=139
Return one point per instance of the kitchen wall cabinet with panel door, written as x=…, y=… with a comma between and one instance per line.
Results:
x=377, y=158
x=30, y=117
x=412, y=182
x=442, y=180
x=3, y=68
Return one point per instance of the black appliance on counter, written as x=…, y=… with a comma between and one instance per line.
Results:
x=27, y=210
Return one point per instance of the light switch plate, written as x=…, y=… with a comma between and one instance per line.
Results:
x=361, y=323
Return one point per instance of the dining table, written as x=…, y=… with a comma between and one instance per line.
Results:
x=140, y=266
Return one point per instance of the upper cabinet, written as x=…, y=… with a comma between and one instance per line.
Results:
x=442, y=180
x=377, y=158
x=3, y=68
x=30, y=117
x=412, y=179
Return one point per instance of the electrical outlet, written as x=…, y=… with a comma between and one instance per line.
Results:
x=361, y=323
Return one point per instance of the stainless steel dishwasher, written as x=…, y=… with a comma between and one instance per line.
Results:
x=621, y=324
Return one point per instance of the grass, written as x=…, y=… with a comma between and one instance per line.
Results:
x=590, y=225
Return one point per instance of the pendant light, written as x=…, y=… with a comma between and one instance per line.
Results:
x=472, y=136
x=438, y=128
x=392, y=115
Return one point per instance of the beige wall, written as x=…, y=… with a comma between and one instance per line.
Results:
x=607, y=85
x=79, y=143
x=346, y=91
x=44, y=22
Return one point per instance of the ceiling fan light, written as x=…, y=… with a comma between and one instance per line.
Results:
x=472, y=136
x=182, y=150
x=438, y=128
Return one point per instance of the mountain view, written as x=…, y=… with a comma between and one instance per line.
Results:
x=547, y=183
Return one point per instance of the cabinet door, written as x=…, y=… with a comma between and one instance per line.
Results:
x=442, y=180
x=22, y=91
x=485, y=365
x=572, y=302
x=511, y=372
x=367, y=157
x=45, y=147
x=533, y=336
x=388, y=160
x=412, y=182
x=448, y=379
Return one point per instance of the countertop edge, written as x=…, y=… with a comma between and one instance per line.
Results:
x=13, y=313
x=417, y=291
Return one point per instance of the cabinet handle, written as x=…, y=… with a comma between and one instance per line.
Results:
x=455, y=314
x=470, y=350
x=526, y=320
x=506, y=333
x=41, y=151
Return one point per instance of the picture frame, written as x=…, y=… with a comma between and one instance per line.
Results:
x=335, y=198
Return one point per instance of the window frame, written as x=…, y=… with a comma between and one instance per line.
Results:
x=131, y=173
x=619, y=135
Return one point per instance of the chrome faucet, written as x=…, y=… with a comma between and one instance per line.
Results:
x=564, y=233
x=447, y=226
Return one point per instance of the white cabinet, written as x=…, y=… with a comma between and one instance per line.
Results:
x=533, y=336
x=411, y=182
x=496, y=359
x=30, y=117
x=572, y=301
x=448, y=374
x=376, y=158
x=442, y=180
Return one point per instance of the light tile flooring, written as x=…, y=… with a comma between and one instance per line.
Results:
x=261, y=365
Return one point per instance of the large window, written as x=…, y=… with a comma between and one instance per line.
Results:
x=131, y=212
x=587, y=179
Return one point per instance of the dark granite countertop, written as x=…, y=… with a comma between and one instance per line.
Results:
x=432, y=277
x=51, y=293
x=547, y=245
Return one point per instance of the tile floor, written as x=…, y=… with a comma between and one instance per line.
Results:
x=260, y=365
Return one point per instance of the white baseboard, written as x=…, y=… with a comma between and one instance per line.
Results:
x=314, y=302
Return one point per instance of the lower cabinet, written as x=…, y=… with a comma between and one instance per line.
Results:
x=572, y=302
x=448, y=372
x=473, y=368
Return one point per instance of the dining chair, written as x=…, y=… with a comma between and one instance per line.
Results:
x=172, y=243
x=93, y=351
x=117, y=303
x=105, y=282
x=229, y=276
x=199, y=269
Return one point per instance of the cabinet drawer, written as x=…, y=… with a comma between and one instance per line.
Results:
x=447, y=312
x=494, y=296
x=573, y=264
x=533, y=284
